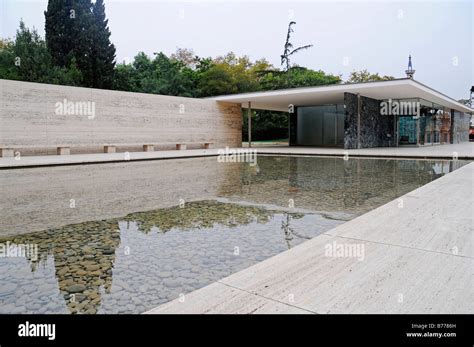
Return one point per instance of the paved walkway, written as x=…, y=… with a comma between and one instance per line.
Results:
x=462, y=151
x=79, y=159
x=412, y=255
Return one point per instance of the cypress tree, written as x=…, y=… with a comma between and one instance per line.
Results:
x=59, y=30
x=82, y=36
x=78, y=29
x=103, y=51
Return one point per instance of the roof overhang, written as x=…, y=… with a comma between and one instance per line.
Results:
x=279, y=100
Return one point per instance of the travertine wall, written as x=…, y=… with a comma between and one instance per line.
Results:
x=29, y=117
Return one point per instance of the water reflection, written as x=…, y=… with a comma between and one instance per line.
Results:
x=85, y=255
x=198, y=215
x=104, y=257
x=353, y=186
x=83, y=258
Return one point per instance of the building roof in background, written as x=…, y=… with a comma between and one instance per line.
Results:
x=404, y=88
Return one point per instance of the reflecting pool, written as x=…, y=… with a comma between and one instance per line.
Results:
x=127, y=237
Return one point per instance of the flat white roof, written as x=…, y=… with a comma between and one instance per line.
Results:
x=279, y=100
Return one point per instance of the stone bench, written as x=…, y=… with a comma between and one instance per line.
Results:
x=150, y=147
x=9, y=151
x=184, y=145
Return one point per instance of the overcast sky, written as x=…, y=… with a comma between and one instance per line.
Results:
x=347, y=36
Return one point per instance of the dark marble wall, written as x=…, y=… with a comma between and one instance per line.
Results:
x=350, y=121
x=374, y=127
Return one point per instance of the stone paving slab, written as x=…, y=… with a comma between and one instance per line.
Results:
x=464, y=151
x=97, y=158
x=325, y=284
x=406, y=265
x=387, y=280
x=436, y=217
x=228, y=299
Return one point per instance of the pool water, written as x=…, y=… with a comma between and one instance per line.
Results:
x=127, y=237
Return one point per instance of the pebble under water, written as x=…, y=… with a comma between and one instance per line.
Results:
x=133, y=263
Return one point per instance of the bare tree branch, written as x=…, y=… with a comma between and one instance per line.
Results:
x=287, y=52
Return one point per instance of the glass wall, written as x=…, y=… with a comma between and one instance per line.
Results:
x=421, y=122
x=406, y=111
x=460, y=125
x=407, y=130
x=320, y=125
x=435, y=123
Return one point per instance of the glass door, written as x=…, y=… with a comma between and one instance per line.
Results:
x=407, y=130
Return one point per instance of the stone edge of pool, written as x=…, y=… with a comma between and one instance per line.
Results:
x=460, y=151
x=417, y=260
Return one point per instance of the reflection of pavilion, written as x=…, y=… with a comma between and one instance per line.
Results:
x=337, y=185
x=442, y=168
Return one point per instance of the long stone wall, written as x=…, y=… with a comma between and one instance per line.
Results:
x=374, y=128
x=35, y=115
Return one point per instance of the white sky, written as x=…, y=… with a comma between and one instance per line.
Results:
x=375, y=35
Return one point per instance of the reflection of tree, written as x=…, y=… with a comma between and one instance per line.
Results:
x=84, y=255
x=288, y=231
x=198, y=215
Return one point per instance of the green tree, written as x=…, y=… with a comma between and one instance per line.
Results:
x=69, y=76
x=78, y=29
x=32, y=58
x=124, y=78
x=8, y=70
x=217, y=80
x=170, y=78
x=68, y=27
x=59, y=28
x=161, y=75
x=230, y=74
x=102, y=55
x=28, y=59
x=296, y=77
x=266, y=125
x=365, y=76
